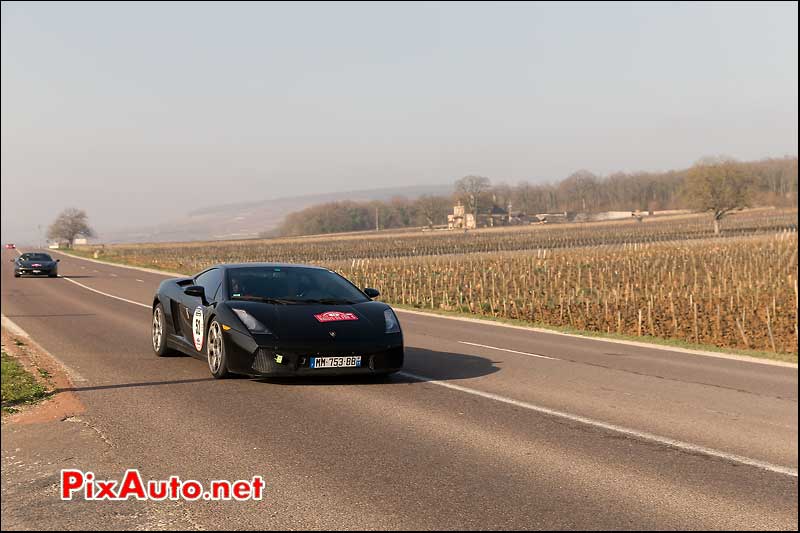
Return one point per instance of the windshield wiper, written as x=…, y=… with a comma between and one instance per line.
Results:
x=265, y=299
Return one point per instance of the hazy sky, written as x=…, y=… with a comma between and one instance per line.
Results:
x=139, y=112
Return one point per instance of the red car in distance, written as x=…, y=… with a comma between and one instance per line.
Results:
x=11, y=246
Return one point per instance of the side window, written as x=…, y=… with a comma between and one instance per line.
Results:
x=210, y=280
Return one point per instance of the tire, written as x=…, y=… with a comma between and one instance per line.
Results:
x=157, y=335
x=215, y=352
x=16, y=275
x=52, y=275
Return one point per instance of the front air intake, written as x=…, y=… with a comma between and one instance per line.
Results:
x=264, y=361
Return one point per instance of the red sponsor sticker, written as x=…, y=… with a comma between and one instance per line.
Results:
x=335, y=316
x=36, y=265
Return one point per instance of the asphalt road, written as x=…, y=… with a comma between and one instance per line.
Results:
x=519, y=430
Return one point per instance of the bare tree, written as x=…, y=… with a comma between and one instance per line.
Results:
x=502, y=195
x=432, y=209
x=470, y=189
x=579, y=188
x=523, y=196
x=719, y=186
x=69, y=224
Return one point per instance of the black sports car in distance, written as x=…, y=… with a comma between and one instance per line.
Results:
x=265, y=319
x=35, y=264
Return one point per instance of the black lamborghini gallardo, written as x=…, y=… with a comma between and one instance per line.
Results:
x=35, y=264
x=264, y=319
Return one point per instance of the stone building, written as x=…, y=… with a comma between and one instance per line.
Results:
x=460, y=219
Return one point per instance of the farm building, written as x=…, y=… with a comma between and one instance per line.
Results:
x=460, y=219
x=494, y=216
x=497, y=216
x=550, y=218
x=63, y=243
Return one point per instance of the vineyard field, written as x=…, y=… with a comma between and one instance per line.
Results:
x=668, y=278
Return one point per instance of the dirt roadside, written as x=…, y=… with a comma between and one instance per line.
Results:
x=50, y=373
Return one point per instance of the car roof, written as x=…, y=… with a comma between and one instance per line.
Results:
x=266, y=265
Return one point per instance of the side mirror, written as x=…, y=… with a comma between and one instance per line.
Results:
x=58, y=260
x=372, y=293
x=195, y=290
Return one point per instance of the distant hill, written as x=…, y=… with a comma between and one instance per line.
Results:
x=250, y=219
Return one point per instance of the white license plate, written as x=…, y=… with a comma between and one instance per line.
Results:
x=37, y=271
x=335, y=362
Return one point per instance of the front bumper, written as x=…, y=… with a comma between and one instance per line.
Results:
x=27, y=271
x=246, y=356
x=265, y=362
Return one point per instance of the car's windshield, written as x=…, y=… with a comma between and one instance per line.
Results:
x=35, y=257
x=291, y=284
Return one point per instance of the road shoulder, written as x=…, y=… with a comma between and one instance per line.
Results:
x=50, y=371
x=42, y=439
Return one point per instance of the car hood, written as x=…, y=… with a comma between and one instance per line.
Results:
x=310, y=322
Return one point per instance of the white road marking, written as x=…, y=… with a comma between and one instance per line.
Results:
x=638, y=344
x=104, y=293
x=642, y=435
x=113, y=275
x=14, y=328
x=165, y=273
x=140, y=280
x=507, y=350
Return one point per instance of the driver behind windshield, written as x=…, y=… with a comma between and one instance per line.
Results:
x=295, y=284
x=35, y=257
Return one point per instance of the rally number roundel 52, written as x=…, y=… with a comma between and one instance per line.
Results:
x=197, y=328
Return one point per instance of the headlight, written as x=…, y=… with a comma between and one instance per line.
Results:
x=250, y=322
x=392, y=324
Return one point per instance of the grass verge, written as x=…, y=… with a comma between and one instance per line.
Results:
x=19, y=387
x=676, y=343
x=88, y=255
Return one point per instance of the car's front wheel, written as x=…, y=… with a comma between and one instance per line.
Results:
x=215, y=349
x=159, y=332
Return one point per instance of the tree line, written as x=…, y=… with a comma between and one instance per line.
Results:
x=718, y=185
